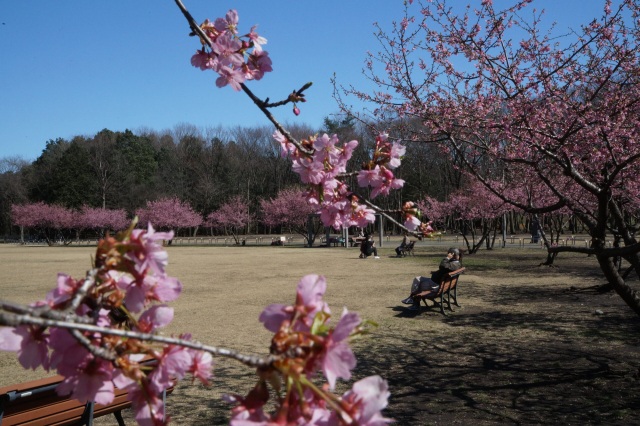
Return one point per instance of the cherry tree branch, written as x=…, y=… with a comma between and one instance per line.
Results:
x=262, y=105
x=24, y=315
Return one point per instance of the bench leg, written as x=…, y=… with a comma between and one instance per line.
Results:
x=424, y=300
x=118, y=416
x=455, y=296
x=449, y=301
x=87, y=415
x=442, y=304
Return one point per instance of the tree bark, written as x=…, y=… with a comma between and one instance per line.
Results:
x=630, y=297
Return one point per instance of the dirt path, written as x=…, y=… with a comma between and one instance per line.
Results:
x=522, y=349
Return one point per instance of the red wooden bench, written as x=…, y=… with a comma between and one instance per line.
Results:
x=36, y=403
x=443, y=295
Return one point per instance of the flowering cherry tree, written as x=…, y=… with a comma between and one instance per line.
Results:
x=53, y=222
x=169, y=213
x=476, y=205
x=232, y=217
x=101, y=219
x=438, y=211
x=290, y=209
x=558, y=113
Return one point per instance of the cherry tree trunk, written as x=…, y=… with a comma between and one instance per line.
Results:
x=631, y=297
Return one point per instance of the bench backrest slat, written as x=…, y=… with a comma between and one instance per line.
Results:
x=449, y=281
x=36, y=403
x=40, y=405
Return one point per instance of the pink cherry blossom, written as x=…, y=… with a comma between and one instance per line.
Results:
x=201, y=59
x=232, y=216
x=102, y=219
x=339, y=360
x=310, y=292
x=91, y=381
x=231, y=76
x=274, y=315
x=201, y=365
x=152, y=255
x=173, y=363
x=370, y=177
x=228, y=23
x=258, y=40
x=66, y=352
x=248, y=412
x=168, y=213
x=148, y=406
x=162, y=288
x=258, y=64
x=155, y=317
x=287, y=147
x=226, y=48
x=64, y=290
x=411, y=222
x=10, y=340
x=397, y=152
x=30, y=342
x=369, y=397
x=310, y=170
x=332, y=214
x=228, y=51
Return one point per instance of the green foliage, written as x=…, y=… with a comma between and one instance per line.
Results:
x=137, y=157
x=41, y=185
x=74, y=183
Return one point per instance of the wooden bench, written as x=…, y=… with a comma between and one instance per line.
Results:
x=36, y=403
x=446, y=291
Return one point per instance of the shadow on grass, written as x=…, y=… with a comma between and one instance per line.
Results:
x=481, y=378
x=521, y=355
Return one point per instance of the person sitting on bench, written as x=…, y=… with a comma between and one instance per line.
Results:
x=420, y=284
x=403, y=245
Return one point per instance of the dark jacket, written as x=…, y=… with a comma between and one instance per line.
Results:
x=447, y=265
x=367, y=247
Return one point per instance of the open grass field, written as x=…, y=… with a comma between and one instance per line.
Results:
x=526, y=347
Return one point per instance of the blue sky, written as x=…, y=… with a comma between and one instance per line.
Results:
x=74, y=67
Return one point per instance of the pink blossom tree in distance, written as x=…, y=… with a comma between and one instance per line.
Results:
x=169, y=214
x=291, y=210
x=232, y=217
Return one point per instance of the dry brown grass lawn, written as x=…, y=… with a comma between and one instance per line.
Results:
x=524, y=348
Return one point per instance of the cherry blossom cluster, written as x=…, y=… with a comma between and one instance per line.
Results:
x=126, y=291
x=236, y=58
x=303, y=345
x=320, y=164
x=377, y=172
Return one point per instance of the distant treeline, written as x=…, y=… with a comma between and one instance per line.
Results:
x=202, y=167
